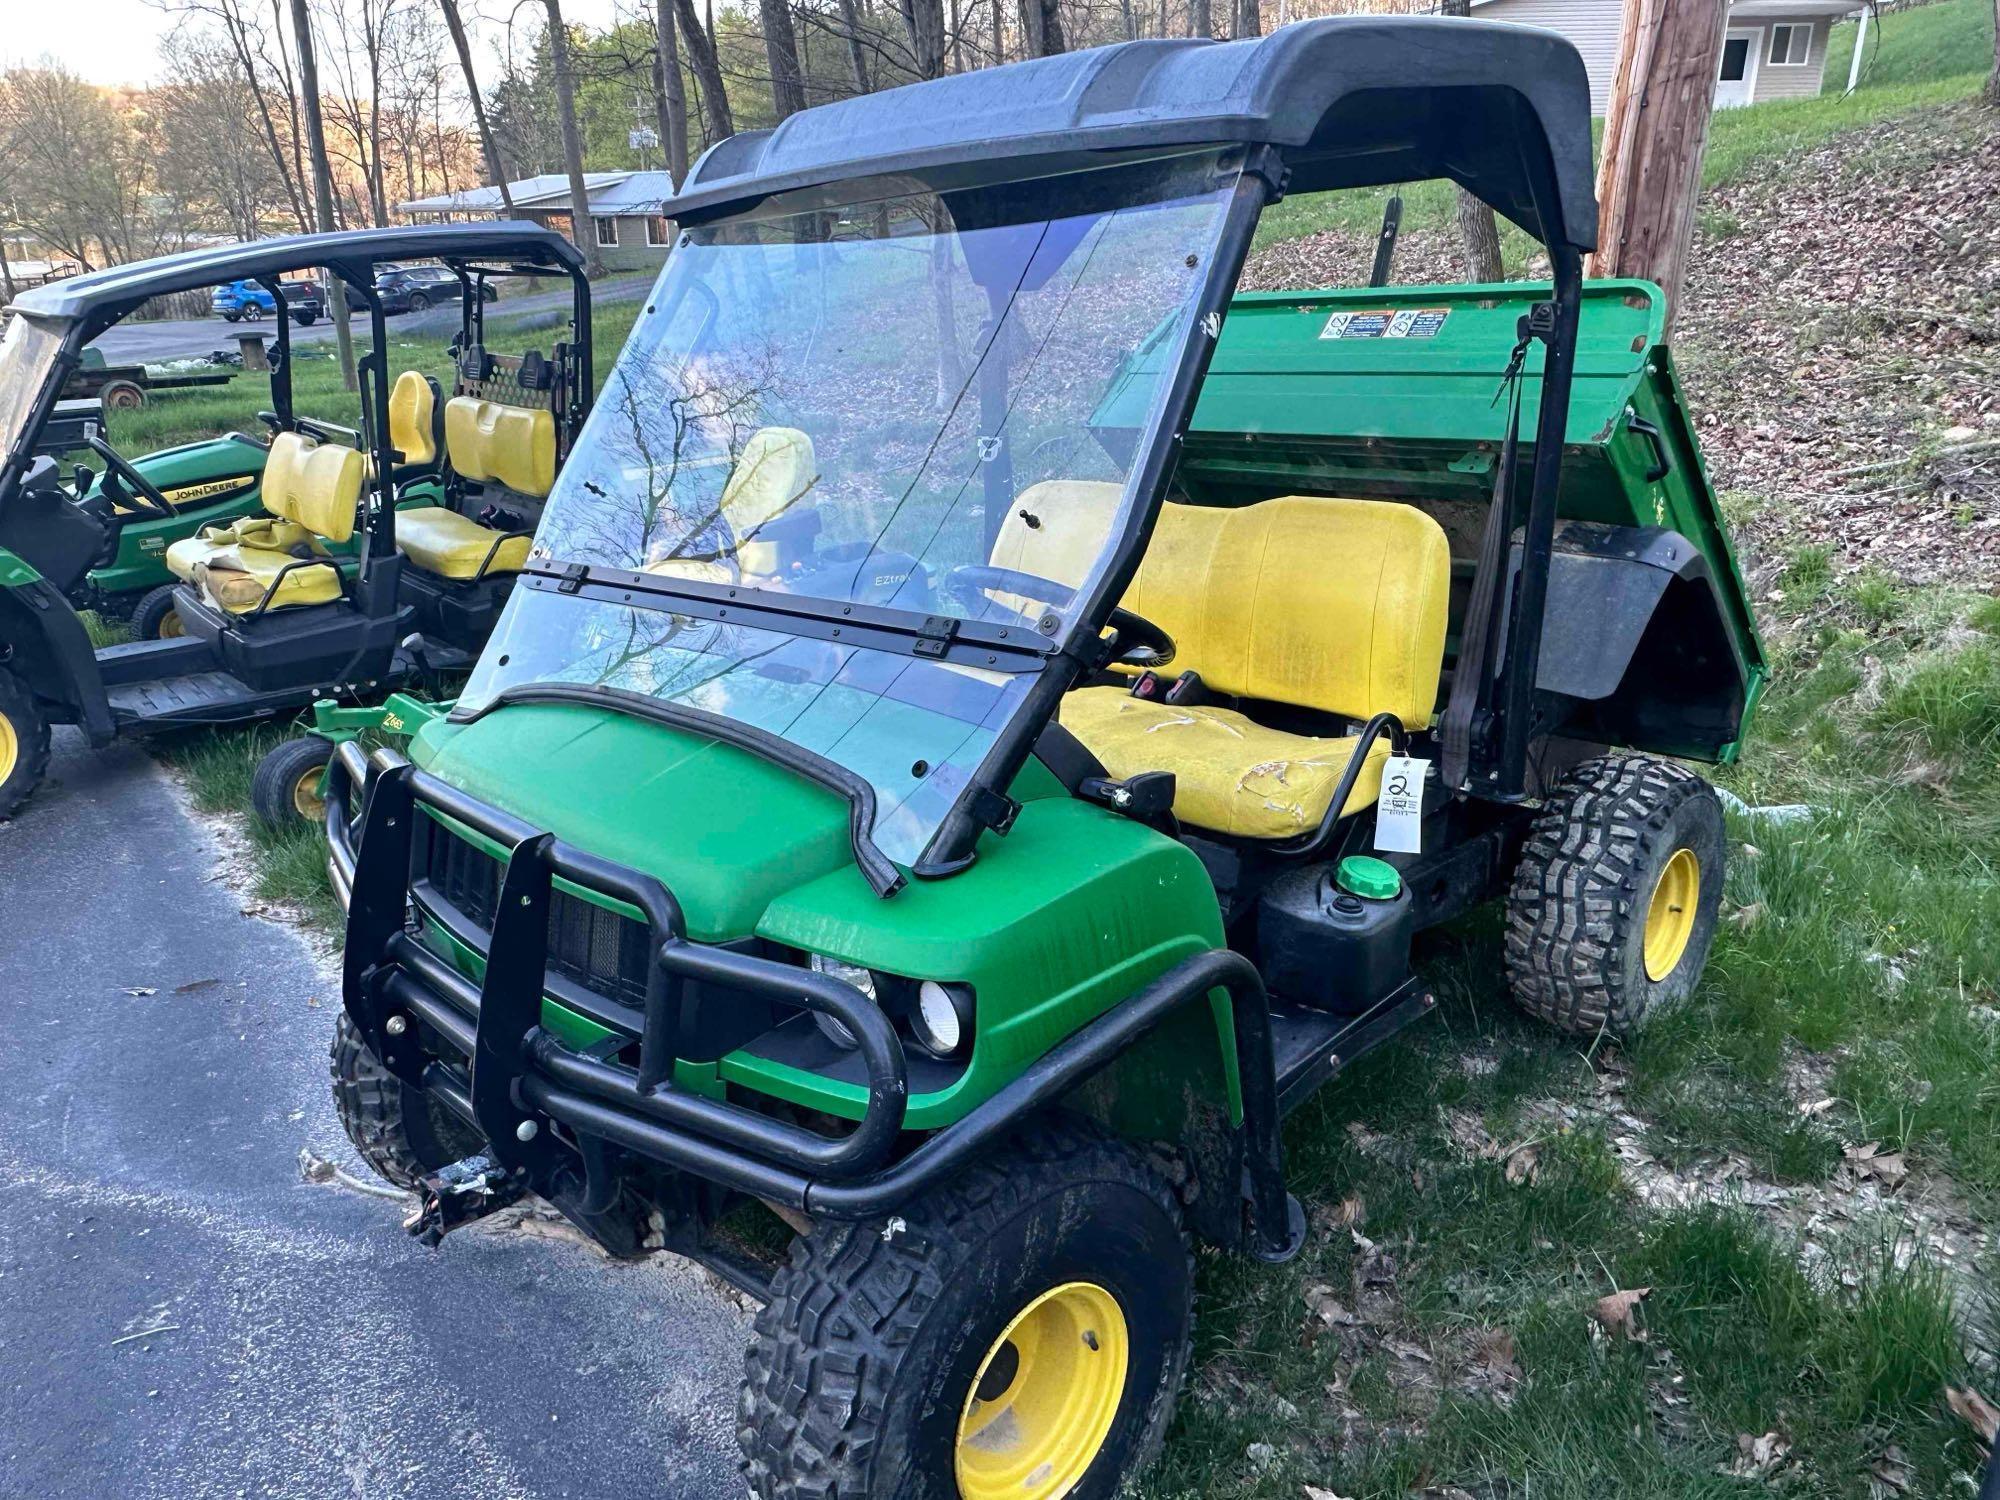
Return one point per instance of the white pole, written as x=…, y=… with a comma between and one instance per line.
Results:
x=1860, y=41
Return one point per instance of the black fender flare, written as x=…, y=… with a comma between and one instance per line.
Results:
x=43, y=641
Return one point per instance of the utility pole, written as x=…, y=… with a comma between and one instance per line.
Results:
x=1654, y=137
x=336, y=292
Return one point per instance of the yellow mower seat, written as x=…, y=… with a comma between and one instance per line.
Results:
x=413, y=422
x=452, y=545
x=310, y=491
x=1333, y=605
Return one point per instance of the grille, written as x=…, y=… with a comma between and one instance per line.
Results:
x=598, y=949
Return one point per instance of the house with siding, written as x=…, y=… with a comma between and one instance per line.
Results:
x=626, y=224
x=1774, y=49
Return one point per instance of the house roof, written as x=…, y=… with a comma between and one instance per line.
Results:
x=1350, y=101
x=608, y=193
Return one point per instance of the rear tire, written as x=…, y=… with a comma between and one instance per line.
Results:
x=154, y=618
x=1615, y=899
x=1031, y=1317
x=24, y=743
x=401, y=1132
x=419, y=302
x=232, y=317
x=284, y=789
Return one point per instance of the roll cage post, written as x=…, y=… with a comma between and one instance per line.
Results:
x=281, y=364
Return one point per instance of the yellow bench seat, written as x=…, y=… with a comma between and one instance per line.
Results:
x=452, y=545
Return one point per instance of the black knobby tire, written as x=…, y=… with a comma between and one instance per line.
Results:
x=277, y=787
x=154, y=617
x=1587, y=878
x=874, y=1336
x=400, y=1131
x=24, y=743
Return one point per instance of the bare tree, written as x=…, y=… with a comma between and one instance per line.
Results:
x=923, y=21
x=1201, y=18
x=781, y=49
x=1993, y=81
x=1478, y=233
x=1042, y=29
x=79, y=170
x=857, y=53
x=212, y=156
x=322, y=176
x=248, y=43
x=1248, y=20
x=581, y=232
x=495, y=167
x=707, y=73
x=670, y=91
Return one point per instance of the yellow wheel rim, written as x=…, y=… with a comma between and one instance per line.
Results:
x=1670, y=914
x=171, y=628
x=10, y=748
x=306, y=799
x=1044, y=1398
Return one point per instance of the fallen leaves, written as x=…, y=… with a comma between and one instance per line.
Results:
x=1981, y=1415
x=1619, y=1313
x=1871, y=1161
x=1760, y=1457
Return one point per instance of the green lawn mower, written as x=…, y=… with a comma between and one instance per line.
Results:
x=375, y=556
x=988, y=709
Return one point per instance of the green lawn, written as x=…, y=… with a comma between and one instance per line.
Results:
x=1929, y=42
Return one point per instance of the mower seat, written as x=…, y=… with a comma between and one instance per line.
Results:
x=487, y=442
x=414, y=425
x=1336, y=606
x=310, y=492
x=775, y=469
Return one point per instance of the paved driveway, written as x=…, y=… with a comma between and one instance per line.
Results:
x=149, y=1180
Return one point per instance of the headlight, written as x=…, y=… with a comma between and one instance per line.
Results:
x=942, y=1020
x=862, y=979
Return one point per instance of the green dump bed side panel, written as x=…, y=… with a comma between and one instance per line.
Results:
x=1395, y=393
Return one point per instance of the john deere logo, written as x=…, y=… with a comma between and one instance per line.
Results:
x=205, y=491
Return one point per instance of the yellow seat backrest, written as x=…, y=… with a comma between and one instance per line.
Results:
x=413, y=418
x=490, y=442
x=774, y=470
x=1054, y=530
x=1337, y=605
x=317, y=485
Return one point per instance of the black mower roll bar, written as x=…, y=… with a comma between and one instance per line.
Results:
x=518, y=1075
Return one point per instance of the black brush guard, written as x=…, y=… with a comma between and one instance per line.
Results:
x=516, y=1077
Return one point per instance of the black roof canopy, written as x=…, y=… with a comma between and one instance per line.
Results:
x=1352, y=101
x=103, y=297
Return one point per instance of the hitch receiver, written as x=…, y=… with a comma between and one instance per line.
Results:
x=458, y=1194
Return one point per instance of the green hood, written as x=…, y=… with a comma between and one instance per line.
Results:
x=725, y=830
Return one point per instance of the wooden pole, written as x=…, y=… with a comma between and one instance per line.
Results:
x=1654, y=137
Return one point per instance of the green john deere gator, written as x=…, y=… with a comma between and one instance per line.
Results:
x=987, y=710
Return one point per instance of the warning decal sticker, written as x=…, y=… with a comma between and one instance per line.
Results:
x=1404, y=323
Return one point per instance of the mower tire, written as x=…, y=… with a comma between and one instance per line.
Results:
x=285, y=787
x=1022, y=1331
x=402, y=1132
x=24, y=743
x=154, y=617
x=1615, y=899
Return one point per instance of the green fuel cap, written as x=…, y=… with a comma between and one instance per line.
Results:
x=1371, y=879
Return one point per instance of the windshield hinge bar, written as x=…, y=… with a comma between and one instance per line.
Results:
x=935, y=635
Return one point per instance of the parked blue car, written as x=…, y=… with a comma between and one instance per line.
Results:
x=237, y=300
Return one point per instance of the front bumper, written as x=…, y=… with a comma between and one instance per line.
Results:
x=484, y=1050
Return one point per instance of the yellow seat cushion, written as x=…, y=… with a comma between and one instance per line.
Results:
x=235, y=577
x=1054, y=530
x=413, y=418
x=1231, y=775
x=452, y=545
x=317, y=485
x=271, y=533
x=490, y=442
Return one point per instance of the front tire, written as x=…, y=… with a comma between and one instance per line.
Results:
x=401, y=1132
x=1020, y=1332
x=1616, y=896
x=285, y=787
x=24, y=743
x=154, y=618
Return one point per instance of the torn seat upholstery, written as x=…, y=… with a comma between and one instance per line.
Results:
x=1332, y=605
x=310, y=492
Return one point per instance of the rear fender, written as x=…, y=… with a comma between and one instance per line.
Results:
x=43, y=642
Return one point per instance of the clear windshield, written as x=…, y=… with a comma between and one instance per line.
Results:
x=27, y=351
x=888, y=403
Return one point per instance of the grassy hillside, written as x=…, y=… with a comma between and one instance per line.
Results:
x=1942, y=40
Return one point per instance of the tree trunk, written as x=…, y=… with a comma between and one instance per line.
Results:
x=239, y=43
x=1041, y=28
x=1201, y=18
x=1650, y=176
x=857, y=55
x=1248, y=20
x=781, y=49
x=491, y=146
x=923, y=22
x=582, y=232
x=1478, y=234
x=707, y=72
x=322, y=173
x=1993, y=81
x=670, y=92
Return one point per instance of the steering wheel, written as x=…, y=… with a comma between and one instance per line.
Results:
x=129, y=483
x=1135, y=641
x=971, y=580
